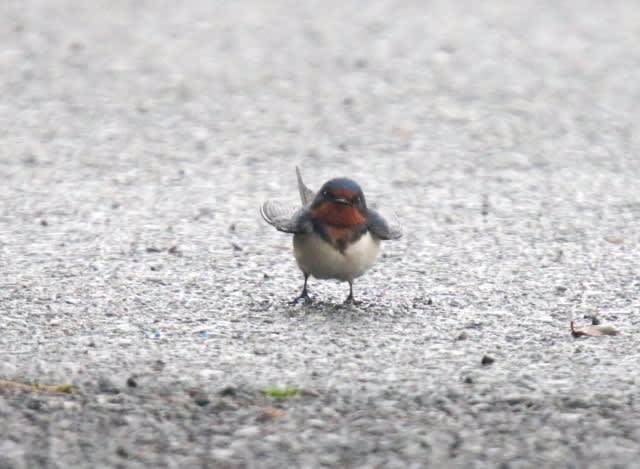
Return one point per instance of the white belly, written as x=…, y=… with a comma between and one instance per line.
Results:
x=318, y=258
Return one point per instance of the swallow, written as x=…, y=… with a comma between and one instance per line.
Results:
x=335, y=234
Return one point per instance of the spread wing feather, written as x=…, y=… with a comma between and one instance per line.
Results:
x=283, y=217
x=384, y=228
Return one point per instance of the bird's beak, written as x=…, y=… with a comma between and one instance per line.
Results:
x=340, y=200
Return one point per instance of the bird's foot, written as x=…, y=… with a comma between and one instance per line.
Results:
x=352, y=301
x=304, y=296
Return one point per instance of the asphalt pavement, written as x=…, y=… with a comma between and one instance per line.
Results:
x=144, y=316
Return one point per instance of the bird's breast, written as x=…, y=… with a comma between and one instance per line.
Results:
x=320, y=258
x=342, y=236
x=338, y=215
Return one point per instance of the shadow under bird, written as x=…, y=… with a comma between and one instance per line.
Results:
x=335, y=234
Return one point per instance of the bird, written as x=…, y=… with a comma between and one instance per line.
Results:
x=335, y=234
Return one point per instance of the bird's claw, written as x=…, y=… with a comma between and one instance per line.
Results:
x=306, y=299
x=352, y=301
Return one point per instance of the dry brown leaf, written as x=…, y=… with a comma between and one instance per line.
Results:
x=614, y=240
x=64, y=388
x=402, y=131
x=593, y=331
x=271, y=413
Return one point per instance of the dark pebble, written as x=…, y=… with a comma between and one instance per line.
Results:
x=34, y=404
x=201, y=400
x=487, y=360
x=594, y=320
x=107, y=387
x=158, y=365
x=229, y=391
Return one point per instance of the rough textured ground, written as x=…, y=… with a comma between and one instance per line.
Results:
x=138, y=140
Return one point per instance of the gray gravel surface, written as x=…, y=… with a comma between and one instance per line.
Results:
x=138, y=140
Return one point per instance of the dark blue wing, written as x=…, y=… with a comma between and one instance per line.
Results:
x=384, y=229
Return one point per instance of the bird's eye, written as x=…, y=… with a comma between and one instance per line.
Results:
x=325, y=194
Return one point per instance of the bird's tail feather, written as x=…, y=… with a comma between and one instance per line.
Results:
x=306, y=194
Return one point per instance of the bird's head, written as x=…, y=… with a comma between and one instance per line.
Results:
x=340, y=202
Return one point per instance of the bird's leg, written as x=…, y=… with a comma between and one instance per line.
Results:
x=304, y=295
x=350, y=299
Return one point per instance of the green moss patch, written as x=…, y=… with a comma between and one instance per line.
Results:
x=281, y=393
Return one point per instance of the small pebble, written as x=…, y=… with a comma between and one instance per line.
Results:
x=34, y=404
x=201, y=399
x=487, y=360
x=594, y=319
x=222, y=454
x=105, y=385
x=247, y=432
x=228, y=391
x=158, y=365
